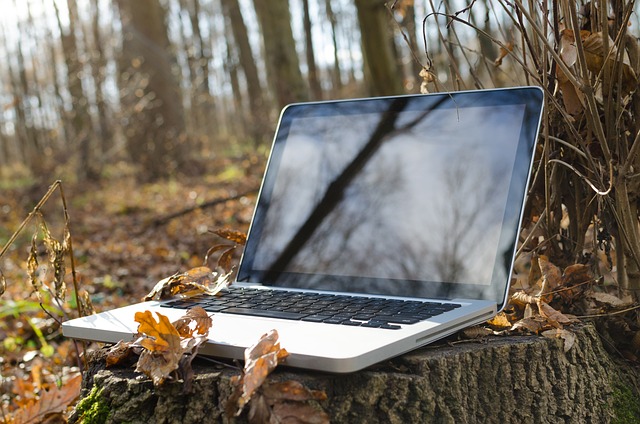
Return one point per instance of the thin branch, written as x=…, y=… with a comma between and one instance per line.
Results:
x=593, y=187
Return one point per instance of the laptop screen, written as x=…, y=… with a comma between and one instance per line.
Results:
x=416, y=196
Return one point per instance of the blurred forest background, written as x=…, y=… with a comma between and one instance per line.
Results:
x=166, y=85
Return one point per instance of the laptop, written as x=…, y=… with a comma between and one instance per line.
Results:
x=382, y=225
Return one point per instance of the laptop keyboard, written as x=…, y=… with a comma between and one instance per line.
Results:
x=316, y=307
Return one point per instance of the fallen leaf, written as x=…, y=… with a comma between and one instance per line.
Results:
x=50, y=402
x=162, y=346
x=298, y=412
x=551, y=274
x=196, y=320
x=608, y=300
x=195, y=281
x=291, y=390
x=476, y=332
x=567, y=336
x=118, y=353
x=260, y=360
x=553, y=315
x=500, y=321
x=534, y=324
x=159, y=335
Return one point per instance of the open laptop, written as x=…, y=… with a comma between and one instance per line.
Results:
x=382, y=225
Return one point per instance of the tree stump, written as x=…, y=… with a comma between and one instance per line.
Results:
x=514, y=379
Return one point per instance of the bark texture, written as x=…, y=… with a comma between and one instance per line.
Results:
x=521, y=379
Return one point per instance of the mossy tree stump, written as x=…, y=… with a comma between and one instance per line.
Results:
x=516, y=379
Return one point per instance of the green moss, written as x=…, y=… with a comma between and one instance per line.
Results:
x=92, y=409
x=626, y=405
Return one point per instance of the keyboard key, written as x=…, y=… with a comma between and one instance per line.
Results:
x=267, y=314
x=334, y=320
x=390, y=327
x=315, y=318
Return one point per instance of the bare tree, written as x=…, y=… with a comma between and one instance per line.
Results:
x=312, y=70
x=283, y=67
x=150, y=92
x=384, y=77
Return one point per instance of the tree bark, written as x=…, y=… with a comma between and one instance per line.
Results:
x=517, y=379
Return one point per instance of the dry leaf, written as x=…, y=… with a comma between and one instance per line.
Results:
x=260, y=360
x=32, y=267
x=231, y=235
x=522, y=298
x=53, y=401
x=551, y=274
x=500, y=321
x=476, y=332
x=159, y=335
x=56, y=252
x=555, y=317
x=196, y=320
x=504, y=51
x=291, y=390
x=118, y=353
x=195, y=281
x=299, y=413
x=164, y=348
x=428, y=77
x=608, y=300
x=567, y=336
x=532, y=324
x=162, y=345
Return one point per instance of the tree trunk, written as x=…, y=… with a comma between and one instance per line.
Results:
x=150, y=94
x=383, y=76
x=79, y=113
x=337, y=70
x=312, y=69
x=283, y=68
x=257, y=103
x=517, y=379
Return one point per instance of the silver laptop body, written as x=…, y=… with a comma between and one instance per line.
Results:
x=411, y=199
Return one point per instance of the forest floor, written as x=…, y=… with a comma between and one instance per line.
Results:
x=125, y=238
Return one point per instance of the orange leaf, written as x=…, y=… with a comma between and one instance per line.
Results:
x=196, y=320
x=195, y=281
x=231, y=235
x=160, y=335
x=54, y=401
x=291, y=390
x=504, y=51
x=260, y=360
x=500, y=321
x=118, y=353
